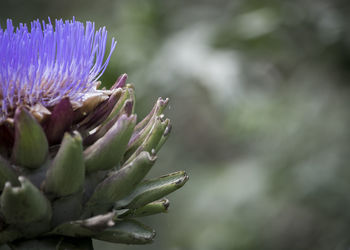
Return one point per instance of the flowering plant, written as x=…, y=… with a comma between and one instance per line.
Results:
x=73, y=157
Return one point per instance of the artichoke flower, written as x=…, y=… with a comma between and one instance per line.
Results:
x=73, y=158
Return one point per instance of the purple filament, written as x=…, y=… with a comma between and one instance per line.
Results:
x=48, y=62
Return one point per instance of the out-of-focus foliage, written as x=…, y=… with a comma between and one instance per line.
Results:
x=259, y=101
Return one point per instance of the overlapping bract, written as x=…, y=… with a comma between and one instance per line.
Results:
x=81, y=174
x=73, y=158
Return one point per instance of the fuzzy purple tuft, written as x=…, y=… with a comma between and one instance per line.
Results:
x=47, y=62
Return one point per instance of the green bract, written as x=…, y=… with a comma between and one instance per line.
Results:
x=72, y=157
x=70, y=173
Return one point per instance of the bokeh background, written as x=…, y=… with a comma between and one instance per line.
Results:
x=260, y=109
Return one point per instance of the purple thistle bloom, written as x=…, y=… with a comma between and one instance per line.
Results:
x=48, y=62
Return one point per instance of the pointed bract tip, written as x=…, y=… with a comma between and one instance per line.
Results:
x=163, y=102
x=166, y=203
x=21, y=179
x=121, y=81
x=168, y=129
x=110, y=223
x=130, y=86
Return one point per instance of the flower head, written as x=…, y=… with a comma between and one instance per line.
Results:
x=73, y=158
x=49, y=62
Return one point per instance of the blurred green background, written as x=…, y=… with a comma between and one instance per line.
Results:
x=260, y=109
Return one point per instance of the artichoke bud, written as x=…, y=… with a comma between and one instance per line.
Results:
x=72, y=157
